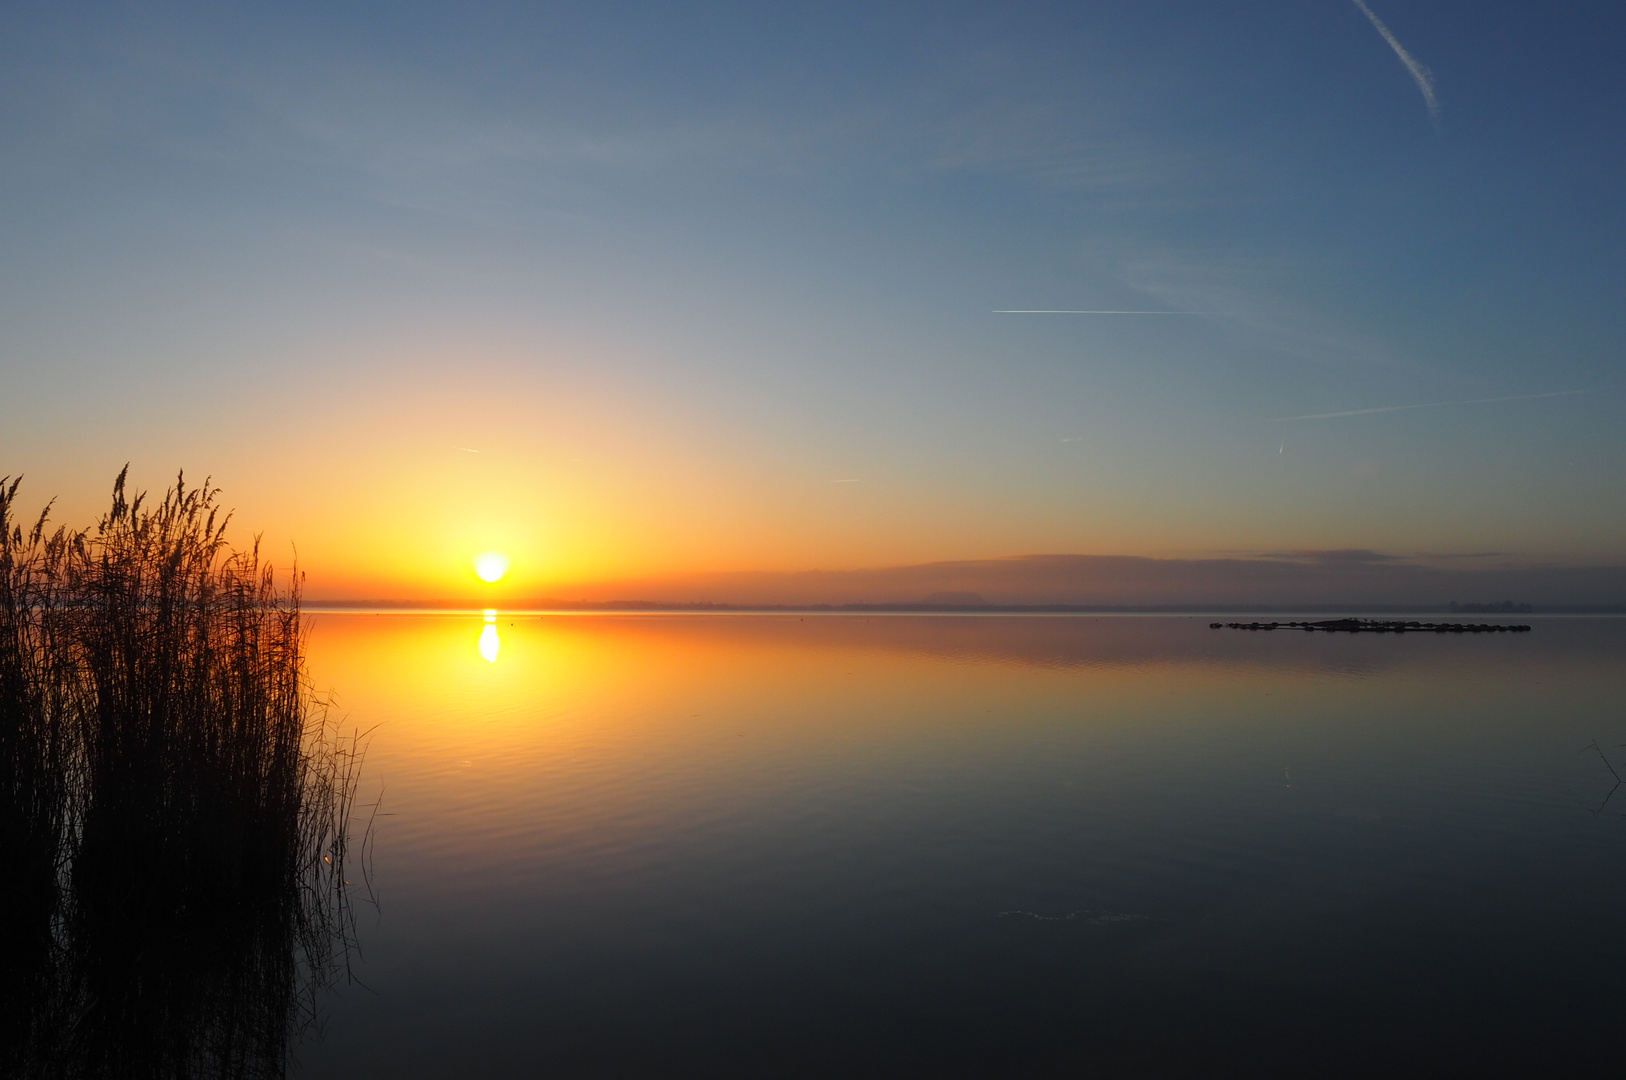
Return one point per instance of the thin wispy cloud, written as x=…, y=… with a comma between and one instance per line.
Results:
x=1247, y=296
x=1428, y=405
x=1419, y=74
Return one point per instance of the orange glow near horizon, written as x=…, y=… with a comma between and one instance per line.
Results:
x=389, y=505
x=599, y=500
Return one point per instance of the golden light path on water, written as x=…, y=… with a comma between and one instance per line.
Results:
x=490, y=641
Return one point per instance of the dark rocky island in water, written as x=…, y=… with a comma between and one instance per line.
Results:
x=1374, y=626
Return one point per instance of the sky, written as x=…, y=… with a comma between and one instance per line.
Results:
x=639, y=291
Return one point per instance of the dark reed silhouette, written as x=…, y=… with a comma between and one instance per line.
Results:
x=174, y=801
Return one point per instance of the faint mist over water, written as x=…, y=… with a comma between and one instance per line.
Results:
x=786, y=845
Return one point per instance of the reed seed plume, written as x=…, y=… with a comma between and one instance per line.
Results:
x=175, y=801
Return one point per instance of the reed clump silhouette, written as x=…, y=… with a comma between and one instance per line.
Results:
x=175, y=803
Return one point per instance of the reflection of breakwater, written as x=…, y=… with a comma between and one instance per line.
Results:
x=1374, y=626
x=174, y=811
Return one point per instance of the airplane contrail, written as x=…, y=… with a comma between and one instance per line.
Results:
x=1429, y=405
x=1419, y=74
x=1073, y=311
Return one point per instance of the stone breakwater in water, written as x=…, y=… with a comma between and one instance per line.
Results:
x=1375, y=626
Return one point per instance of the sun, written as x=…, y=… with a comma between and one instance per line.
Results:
x=491, y=566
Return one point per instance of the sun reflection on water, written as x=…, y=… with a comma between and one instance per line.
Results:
x=490, y=643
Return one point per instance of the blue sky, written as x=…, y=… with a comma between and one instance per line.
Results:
x=713, y=286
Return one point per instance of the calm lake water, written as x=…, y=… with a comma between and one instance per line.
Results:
x=983, y=846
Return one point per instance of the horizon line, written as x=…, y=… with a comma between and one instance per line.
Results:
x=704, y=607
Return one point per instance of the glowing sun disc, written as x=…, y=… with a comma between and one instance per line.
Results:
x=491, y=566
